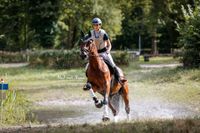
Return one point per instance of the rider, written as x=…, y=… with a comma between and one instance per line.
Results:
x=103, y=45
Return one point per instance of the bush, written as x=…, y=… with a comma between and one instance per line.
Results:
x=56, y=58
x=121, y=57
x=69, y=58
x=12, y=57
x=189, y=38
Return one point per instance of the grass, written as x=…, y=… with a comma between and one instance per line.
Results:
x=153, y=126
x=38, y=80
x=180, y=86
x=137, y=127
x=15, y=108
x=172, y=85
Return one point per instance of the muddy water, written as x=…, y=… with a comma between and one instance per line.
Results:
x=84, y=111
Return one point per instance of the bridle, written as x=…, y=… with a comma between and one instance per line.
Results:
x=88, y=50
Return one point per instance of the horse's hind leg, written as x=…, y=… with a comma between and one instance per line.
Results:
x=114, y=111
x=126, y=100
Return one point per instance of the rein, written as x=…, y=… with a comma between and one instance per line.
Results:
x=90, y=55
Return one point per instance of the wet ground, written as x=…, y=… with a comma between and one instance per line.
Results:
x=147, y=106
x=79, y=112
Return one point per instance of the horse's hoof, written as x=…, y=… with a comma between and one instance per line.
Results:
x=87, y=87
x=105, y=119
x=99, y=104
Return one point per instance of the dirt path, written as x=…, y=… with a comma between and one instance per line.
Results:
x=13, y=65
x=160, y=65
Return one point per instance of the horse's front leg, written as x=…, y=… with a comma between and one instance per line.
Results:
x=97, y=102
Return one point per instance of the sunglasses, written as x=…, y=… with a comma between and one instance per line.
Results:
x=96, y=24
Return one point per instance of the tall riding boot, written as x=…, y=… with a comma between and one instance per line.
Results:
x=117, y=76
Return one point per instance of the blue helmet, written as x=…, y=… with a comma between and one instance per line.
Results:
x=96, y=21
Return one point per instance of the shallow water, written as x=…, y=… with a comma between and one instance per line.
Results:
x=84, y=111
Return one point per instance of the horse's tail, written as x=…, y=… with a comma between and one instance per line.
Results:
x=116, y=101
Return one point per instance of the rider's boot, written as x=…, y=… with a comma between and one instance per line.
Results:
x=120, y=79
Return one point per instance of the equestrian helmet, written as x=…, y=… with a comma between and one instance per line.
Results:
x=96, y=21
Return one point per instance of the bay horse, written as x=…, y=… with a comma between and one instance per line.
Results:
x=101, y=80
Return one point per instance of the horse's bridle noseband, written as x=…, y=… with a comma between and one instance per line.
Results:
x=88, y=50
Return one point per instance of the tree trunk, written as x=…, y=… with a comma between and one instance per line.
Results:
x=74, y=37
x=154, y=44
x=68, y=39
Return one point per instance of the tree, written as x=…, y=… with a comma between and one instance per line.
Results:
x=77, y=15
x=190, y=36
x=11, y=25
x=134, y=14
x=43, y=17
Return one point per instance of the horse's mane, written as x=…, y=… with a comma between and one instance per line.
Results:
x=93, y=48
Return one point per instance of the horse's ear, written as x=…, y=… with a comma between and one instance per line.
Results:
x=82, y=34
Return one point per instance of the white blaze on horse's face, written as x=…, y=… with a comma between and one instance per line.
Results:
x=83, y=53
x=85, y=49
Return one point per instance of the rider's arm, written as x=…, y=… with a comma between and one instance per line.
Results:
x=107, y=43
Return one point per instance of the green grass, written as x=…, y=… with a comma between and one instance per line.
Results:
x=136, y=127
x=174, y=85
x=15, y=108
x=148, y=126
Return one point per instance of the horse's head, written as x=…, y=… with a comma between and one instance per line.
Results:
x=87, y=47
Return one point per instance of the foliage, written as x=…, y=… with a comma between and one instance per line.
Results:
x=70, y=58
x=12, y=57
x=38, y=24
x=15, y=108
x=153, y=21
x=11, y=25
x=110, y=13
x=121, y=57
x=56, y=58
x=189, y=37
x=77, y=15
x=43, y=16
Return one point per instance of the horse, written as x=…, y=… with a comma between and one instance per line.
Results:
x=100, y=79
